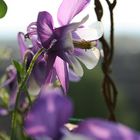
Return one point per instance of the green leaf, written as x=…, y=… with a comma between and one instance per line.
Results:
x=4, y=98
x=20, y=69
x=4, y=136
x=17, y=65
x=3, y=8
x=4, y=95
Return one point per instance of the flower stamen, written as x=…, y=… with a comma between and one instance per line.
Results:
x=84, y=44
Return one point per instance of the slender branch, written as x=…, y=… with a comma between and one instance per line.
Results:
x=112, y=91
x=108, y=2
x=21, y=86
x=108, y=87
x=111, y=7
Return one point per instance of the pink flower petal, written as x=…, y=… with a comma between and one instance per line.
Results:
x=70, y=8
x=44, y=26
x=62, y=73
x=22, y=45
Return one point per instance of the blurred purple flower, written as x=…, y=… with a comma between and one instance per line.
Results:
x=11, y=84
x=27, y=51
x=99, y=129
x=39, y=72
x=49, y=113
x=3, y=111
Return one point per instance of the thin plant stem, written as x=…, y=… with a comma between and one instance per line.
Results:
x=28, y=96
x=26, y=91
x=109, y=89
x=21, y=86
x=75, y=120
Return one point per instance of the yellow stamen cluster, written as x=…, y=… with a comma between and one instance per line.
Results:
x=84, y=44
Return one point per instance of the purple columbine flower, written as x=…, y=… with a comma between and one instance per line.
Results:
x=49, y=113
x=11, y=84
x=100, y=129
x=39, y=72
x=27, y=51
x=62, y=43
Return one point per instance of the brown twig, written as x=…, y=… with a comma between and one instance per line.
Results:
x=108, y=87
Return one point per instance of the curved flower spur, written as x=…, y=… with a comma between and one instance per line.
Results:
x=64, y=44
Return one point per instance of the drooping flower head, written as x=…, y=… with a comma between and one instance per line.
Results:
x=64, y=45
x=61, y=42
x=11, y=85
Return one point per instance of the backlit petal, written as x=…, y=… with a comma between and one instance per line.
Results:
x=54, y=111
x=3, y=112
x=64, y=33
x=44, y=26
x=105, y=130
x=22, y=44
x=49, y=67
x=11, y=74
x=75, y=137
x=76, y=66
x=11, y=84
x=89, y=58
x=70, y=8
x=32, y=28
x=72, y=76
x=93, y=32
x=39, y=71
x=62, y=73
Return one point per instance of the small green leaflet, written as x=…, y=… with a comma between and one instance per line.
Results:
x=20, y=69
x=3, y=8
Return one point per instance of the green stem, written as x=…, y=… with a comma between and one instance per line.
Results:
x=26, y=91
x=21, y=86
x=28, y=96
x=75, y=120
